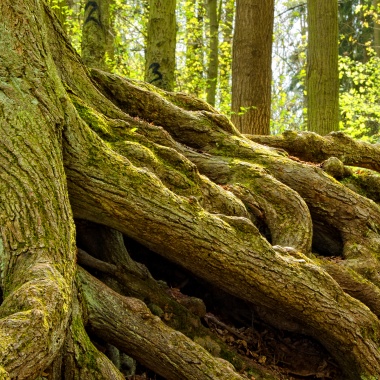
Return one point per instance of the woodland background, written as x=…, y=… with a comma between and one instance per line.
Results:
x=204, y=29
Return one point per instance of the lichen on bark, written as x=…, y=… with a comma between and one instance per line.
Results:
x=180, y=181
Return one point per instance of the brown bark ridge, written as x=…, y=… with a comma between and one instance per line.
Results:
x=37, y=229
x=322, y=76
x=303, y=178
x=251, y=66
x=175, y=176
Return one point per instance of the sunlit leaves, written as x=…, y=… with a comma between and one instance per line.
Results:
x=360, y=101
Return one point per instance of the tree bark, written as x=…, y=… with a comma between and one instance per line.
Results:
x=212, y=69
x=322, y=77
x=160, y=50
x=227, y=11
x=194, y=39
x=251, y=66
x=97, y=34
x=150, y=341
x=37, y=229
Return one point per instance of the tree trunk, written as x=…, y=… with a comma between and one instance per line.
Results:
x=160, y=50
x=322, y=78
x=97, y=34
x=212, y=70
x=227, y=11
x=179, y=180
x=251, y=66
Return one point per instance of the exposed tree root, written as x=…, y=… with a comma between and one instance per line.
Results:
x=171, y=173
x=309, y=146
x=129, y=325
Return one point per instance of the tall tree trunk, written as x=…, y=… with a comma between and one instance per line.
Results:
x=97, y=34
x=251, y=66
x=322, y=78
x=160, y=50
x=212, y=69
x=37, y=243
x=227, y=11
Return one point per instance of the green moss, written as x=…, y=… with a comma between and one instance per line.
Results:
x=365, y=182
x=156, y=310
x=208, y=344
x=233, y=358
x=96, y=121
x=85, y=352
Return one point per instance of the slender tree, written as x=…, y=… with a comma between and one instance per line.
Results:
x=97, y=34
x=322, y=79
x=161, y=43
x=212, y=69
x=227, y=11
x=251, y=66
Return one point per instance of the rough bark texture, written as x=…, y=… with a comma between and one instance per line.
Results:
x=37, y=229
x=175, y=177
x=251, y=66
x=97, y=34
x=322, y=78
x=161, y=41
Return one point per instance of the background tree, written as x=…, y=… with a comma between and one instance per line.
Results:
x=131, y=23
x=97, y=34
x=161, y=43
x=212, y=69
x=289, y=66
x=121, y=158
x=251, y=66
x=227, y=12
x=191, y=68
x=322, y=80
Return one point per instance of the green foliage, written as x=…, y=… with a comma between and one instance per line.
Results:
x=191, y=50
x=226, y=16
x=244, y=110
x=360, y=101
x=359, y=65
x=359, y=68
x=289, y=67
x=130, y=25
x=358, y=20
x=71, y=19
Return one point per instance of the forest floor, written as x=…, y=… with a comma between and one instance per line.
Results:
x=280, y=355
